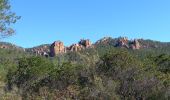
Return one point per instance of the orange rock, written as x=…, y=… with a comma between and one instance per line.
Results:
x=135, y=44
x=123, y=42
x=76, y=47
x=56, y=48
x=86, y=43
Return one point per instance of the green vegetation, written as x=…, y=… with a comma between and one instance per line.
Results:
x=7, y=17
x=101, y=73
x=104, y=72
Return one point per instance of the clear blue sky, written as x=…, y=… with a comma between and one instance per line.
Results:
x=44, y=21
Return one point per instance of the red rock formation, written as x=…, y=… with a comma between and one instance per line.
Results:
x=135, y=44
x=86, y=43
x=76, y=47
x=41, y=50
x=123, y=42
x=56, y=48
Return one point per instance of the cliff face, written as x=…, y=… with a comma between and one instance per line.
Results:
x=135, y=44
x=43, y=51
x=124, y=42
x=86, y=43
x=57, y=48
x=75, y=47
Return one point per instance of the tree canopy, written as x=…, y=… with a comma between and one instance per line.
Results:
x=7, y=18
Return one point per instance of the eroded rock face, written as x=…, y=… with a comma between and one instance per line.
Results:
x=43, y=51
x=82, y=44
x=59, y=48
x=122, y=42
x=86, y=43
x=56, y=48
x=76, y=47
x=135, y=44
x=103, y=40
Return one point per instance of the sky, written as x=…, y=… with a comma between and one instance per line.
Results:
x=45, y=21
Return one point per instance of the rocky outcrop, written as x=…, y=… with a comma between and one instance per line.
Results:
x=42, y=51
x=86, y=43
x=82, y=44
x=122, y=42
x=57, y=48
x=76, y=47
x=135, y=45
x=103, y=41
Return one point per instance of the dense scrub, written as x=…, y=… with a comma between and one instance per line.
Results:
x=102, y=73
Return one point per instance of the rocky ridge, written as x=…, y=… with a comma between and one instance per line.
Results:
x=124, y=42
x=42, y=50
x=58, y=47
x=121, y=42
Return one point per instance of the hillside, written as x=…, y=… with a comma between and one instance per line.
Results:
x=111, y=69
x=8, y=50
x=163, y=47
x=145, y=45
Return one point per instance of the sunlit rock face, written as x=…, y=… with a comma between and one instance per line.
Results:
x=76, y=47
x=135, y=44
x=42, y=51
x=57, y=48
x=81, y=45
x=86, y=43
x=122, y=42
